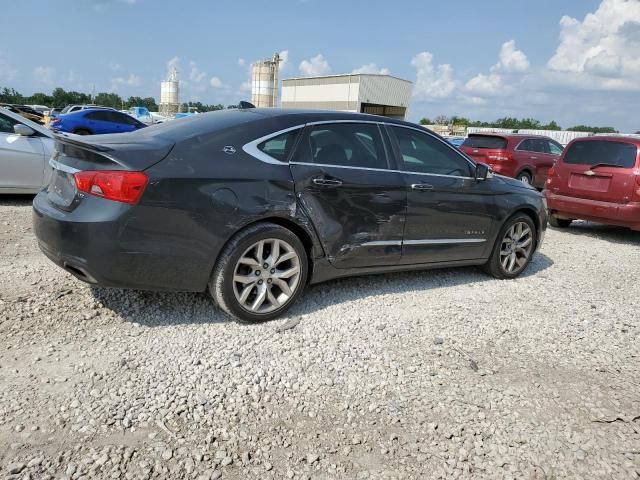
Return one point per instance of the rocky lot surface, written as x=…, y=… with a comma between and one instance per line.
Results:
x=441, y=374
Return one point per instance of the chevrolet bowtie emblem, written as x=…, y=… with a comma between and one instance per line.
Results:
x=591, y=173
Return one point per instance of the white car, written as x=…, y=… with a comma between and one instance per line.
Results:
x=25, y=150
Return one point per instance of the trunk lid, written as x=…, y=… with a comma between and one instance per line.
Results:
x=601, y=170
x=100, y=152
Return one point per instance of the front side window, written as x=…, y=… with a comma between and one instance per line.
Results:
x=555, y=148
x=279, y=147
x=344, y=144
x=7, y=124
x=422, y=153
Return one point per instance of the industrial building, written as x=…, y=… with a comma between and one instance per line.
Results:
x=363, y=92
x=264, y=82
x=170, y=95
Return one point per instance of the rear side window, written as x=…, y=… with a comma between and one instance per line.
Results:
x=604, y=152
x=344, y=145
x=486, y=141
x=279, y=147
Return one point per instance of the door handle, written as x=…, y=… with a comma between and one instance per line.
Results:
x=533, y=158
x=325, y=182
x=422, y=187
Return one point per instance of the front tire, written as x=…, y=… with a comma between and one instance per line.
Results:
x=514, y=248
x=260, y=273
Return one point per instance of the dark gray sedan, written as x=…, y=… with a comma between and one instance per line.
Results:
x=254, y=204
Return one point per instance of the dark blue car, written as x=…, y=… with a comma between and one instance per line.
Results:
x=95, y=122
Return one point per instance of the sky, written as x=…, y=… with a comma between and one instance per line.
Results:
x=572, y=61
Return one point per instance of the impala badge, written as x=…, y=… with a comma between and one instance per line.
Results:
x=229, y=150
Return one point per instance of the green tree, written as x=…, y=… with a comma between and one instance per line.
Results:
x=40, y=99
x=425, y=121
x=105, y=99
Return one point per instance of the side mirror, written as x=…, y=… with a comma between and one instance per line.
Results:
x=23, y=130
x=482, y=172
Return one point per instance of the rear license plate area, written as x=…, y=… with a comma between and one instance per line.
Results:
x=62, y=189
x=589, y=183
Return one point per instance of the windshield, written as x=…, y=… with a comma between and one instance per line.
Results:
x=602, y=152
x=486, y=141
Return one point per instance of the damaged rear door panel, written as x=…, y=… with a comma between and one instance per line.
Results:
x=356, y=203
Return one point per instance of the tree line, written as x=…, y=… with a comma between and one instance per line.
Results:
x=512, y=123
x=60, y=98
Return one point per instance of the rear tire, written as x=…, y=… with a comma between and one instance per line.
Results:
x=525, y=177
x=82, y=131
x=252, y=279
x=559, y=222
x=514, y=248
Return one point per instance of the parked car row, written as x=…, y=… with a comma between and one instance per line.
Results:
x=371, y=195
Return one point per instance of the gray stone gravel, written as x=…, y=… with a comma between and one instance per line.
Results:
x=441, y=374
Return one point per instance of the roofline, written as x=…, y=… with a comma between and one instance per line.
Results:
x=349, y=75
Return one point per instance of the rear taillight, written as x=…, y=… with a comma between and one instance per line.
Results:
x=552, y=172
x=117, y=185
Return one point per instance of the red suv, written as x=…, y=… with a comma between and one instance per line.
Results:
x=525, y=157
x=596, y=179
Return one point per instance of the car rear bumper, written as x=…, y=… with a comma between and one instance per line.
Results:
x=106, y=243
x=623, y=214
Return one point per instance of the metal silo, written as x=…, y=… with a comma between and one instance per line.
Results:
x=170, y=95
x=264, y=82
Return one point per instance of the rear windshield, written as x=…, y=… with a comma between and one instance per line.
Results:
x=596, y=152
x=486, y=141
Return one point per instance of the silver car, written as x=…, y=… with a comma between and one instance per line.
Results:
x=25, y=149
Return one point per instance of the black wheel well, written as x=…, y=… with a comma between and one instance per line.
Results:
x=82, y=129
x=532, y=214
x=526, y=170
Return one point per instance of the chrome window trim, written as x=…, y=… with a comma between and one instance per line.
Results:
x=444, y=241
x=62, y=167
x=378, y=170
x=252, y=149
x=436, y=241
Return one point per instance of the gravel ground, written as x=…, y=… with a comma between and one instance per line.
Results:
x=441, y=374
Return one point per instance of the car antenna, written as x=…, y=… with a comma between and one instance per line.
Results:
x=244, y=105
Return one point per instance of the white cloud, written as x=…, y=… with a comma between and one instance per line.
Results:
x=371, y=68
x=196, y=75
x=131, y=81
x=44, y=74
x=215, y=82
x=245, y=87
x=432, y=81
x=512, y=63
x=483, y=84
x=242, y=62
x=173, y=63
x=284, y=59
x=315, y=66
x=601, y=51
x=511, y=59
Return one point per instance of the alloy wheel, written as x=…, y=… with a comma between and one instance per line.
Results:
x=516, y=247
x=266, y=276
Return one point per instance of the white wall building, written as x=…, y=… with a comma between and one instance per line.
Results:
x=363, y=92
